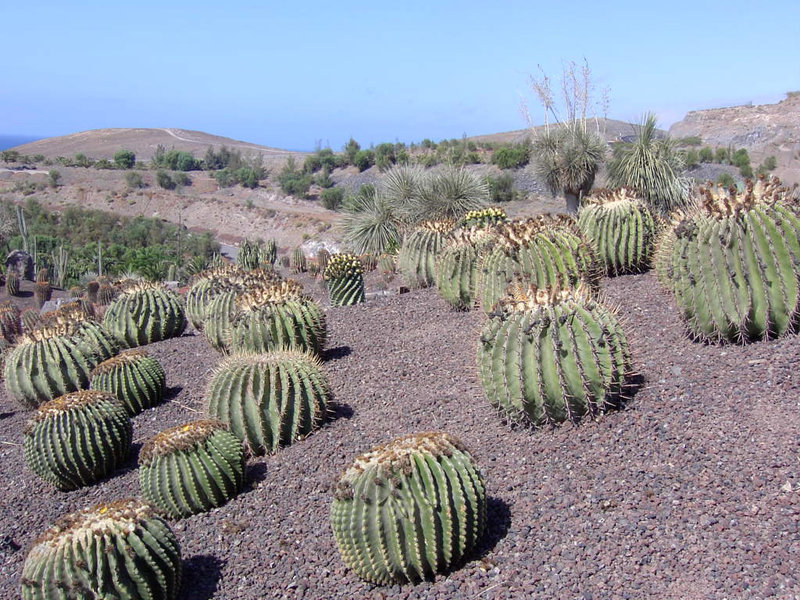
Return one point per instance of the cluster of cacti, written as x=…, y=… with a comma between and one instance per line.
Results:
x=138, y=380
x=277, y=317
x=548, y=355
x=409, y=509
x=344, y=277
x=457, y=266
x=42, y=292
x=12, y=283
x=80, y=316
x=143, y=313
x=191, y=468
x=120, y=550
x=483, y=217
x=546, y=251
x=269, y=253
x=297, y=261
x=205, y=286
x=386, y=264
x=733, y=263
x=252, y=255
x=417, y=257
x=78, y=438
x=269, y=400
x=621, y=229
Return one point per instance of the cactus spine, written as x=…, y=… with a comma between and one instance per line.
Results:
x=548, y=355
x=409, y=509
x=121, y=550
x=144, y=313
x=620, y=228
x=137, y=379
x=269, y=400
x=417, y=257
x=77, y=438
x=734, y=263
x=191, y=468
x=344, y=277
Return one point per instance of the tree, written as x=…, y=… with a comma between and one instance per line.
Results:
x=124, y=159
x=53, y=177
x=350, y=149
x=652, y=167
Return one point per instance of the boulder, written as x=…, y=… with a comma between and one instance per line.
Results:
x=21, y=262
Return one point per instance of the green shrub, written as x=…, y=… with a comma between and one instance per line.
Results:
x=103, y=164
x=726, y=180
x=746, y=171
x=721, y=156
x=134, y=180
x=164, y=180
x=692, y=140
x=53, y=177
x=247, y=177
x=770, y=163
x=350, y=150
x=292, y=180
x=706, y=154
x=511, y=156
x=691, y=158
x=501, y=188
x=124, y=159
x=364, y=159
x=331, y=198
x=82, y=161
x=385, y=156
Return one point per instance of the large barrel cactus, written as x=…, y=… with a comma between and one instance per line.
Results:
x=545, y=251
x=620, y=228
x=733, y=263
x=191, y=468
x=277, y=317
x=121, y=550
x=205, y=286
x=78, y=438
x=409, y=509
x=137, y=379
x=344, y=276
x=269, y=400
x=417, y=257
x=549, y=355
x=457, y=266
x=143, y=313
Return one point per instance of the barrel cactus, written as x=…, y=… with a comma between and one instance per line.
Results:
x=483, y=218
x=31, y=318
x=548, y=355
x=143, y=313
x=10, y=322
x=344, y=277
x=119, y=550
x=620, y=228
x=137, y=379
x=106, y=294
x=545, y=251
x=191, y=468
x=409, y=509
x=457, y=266
x=78, y=438
x=92, y=289
x=205, y=286
x=733, y=263
x=297, y=261
x=276, y=317
x=269, y=400
x=42, y=292
x=12, y=283
x=417, y=257
x=323, y=256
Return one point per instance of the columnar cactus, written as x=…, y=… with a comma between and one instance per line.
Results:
x=620, y=228
x=545, y=251
x=323, y=256
x=121, y=550
x=733, y=263
x=12, y=283
x=269, y=253
x=77, y=438
x=144, y=313
x=548, y=355
x=297, y=261
x=344, y=277
x=191, y=468
x=417, y=255
x=269, y=400
x=409, y=509
x=248, y=255
x=137, y=379
x=277, y=317
x=42, y=292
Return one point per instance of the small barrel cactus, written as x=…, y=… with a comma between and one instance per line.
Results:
x=323, y=256
x=78, y=438
x=12, y=283
x=144, y=313
x=269, y=253
x=269, y=400
x=42, y=275
x=137, y=379
x=548, y=355
x=31, y=318
x=92, y=289
x=120, y=550
x=409, y=509
x=42, y=292
x=106, y=294
x=191, y=468
x=620, y=228
x=344, y=277
x=417, y=257
x=298, y=261
x=733, y=263
x=483, y=217
x=10, y=322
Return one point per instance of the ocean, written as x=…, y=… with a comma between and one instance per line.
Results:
x=9, y=141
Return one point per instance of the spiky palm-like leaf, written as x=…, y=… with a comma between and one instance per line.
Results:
x=651, y=166
x=373, y=224
x=447, y=194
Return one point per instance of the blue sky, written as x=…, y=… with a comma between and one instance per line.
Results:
x=298, y=74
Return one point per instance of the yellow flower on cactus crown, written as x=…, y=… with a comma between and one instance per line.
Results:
x=485, y=216
x=343, y=265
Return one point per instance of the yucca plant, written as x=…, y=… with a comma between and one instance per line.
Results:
x=78, y=438
x=344, y=277
x=548, y=355
x=144, y=313
x=417, y=257
x=269, y=400
x=446, y=194
x=191, y=468
x=372, y=223
x=620, y=228
x=136, y=378
x=119, y=550
x=733, y=263
x=409, y=509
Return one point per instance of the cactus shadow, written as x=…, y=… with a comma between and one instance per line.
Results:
x=336, y=353
x=201, y=575
x=498, y=522
x=256, y=473
x=339, y=410
x=172, y=392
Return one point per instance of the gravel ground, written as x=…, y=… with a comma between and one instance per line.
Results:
x=691, y=491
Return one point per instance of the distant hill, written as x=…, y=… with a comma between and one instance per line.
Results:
x=611, y=129
x=103, y=143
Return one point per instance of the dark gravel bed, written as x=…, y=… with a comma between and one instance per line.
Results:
x=691, y=491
